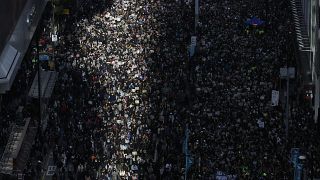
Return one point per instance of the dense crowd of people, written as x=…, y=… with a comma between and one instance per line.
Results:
x=127, y=88
x=235, y=72
x=116, y=103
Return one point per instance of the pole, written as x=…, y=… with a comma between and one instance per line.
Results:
x=186, y=151
x=298, y=171
x=185, y=172
x=39, y=80
x=196, y=18
x=316, y=100
x=316, y=53
x=295, y=153
x=0, y=102
x=53, y=31
x=287, y=105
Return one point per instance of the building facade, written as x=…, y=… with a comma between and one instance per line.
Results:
x=306, y=19
x=16, y=36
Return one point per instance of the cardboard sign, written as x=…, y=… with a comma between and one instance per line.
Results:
x=54, y=38
x=274, y=98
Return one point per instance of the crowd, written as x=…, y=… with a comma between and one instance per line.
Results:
x=127, y=89
x=235, y=128
x=120, y=94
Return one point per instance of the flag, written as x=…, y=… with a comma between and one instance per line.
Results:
x=254, y=22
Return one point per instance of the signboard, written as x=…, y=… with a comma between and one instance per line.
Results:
x=284, y=72
x=51, y=170
x=20, y=176
x=274, y=98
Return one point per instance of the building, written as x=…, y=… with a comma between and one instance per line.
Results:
x=306, y=20
x=19, y=20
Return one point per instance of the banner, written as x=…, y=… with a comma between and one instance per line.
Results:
x=274, y=98
x=260, y=123
x=44, y=57
x=196, y=7
x=193, y=46
x=254, y=22
x=290, y=71
x=193, y=40
x=223, y=176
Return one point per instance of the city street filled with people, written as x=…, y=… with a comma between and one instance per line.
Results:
x=128, y=87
